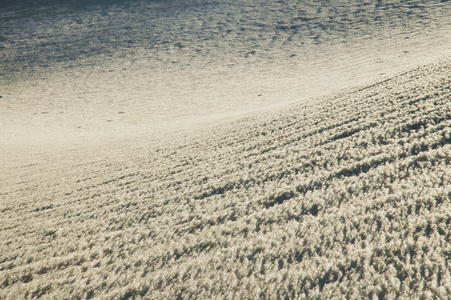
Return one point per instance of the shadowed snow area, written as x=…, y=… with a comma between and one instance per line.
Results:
x=77, y=75
x=199, y=149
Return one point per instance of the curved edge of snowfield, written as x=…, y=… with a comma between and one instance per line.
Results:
x=345, y=197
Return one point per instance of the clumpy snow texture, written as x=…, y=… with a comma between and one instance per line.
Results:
x=200, y=149
x=347, y=196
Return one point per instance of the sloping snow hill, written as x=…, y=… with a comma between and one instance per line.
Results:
x=347, y=196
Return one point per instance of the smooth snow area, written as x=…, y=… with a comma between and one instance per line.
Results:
x=225, y=149
x=81, y=76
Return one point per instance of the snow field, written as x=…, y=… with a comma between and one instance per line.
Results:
x=347, y=196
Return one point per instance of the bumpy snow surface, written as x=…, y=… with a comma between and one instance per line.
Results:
x=233, y=149
x=348, y=196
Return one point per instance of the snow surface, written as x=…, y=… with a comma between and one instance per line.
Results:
x=225, y=149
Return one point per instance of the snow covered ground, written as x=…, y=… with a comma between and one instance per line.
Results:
x=72, y=76
x=225, y=149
